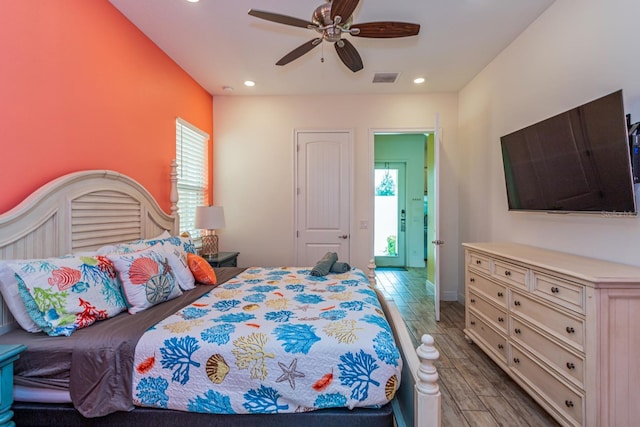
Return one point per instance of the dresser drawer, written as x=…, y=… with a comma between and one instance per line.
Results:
x=487, y=288
x=558, y=357
x=510, y=273
x=480, y=262
x=494, y=315
x=558, y=291
x=555, y=392
x=566, y=328
x=483, y=332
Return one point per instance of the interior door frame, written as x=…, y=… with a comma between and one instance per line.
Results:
x=437, y=138
x=351, y=185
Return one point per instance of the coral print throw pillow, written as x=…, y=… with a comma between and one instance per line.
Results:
x=147, y=277
x=68, y=293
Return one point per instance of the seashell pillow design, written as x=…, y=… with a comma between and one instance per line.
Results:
x=64, y=294
x=147, y=277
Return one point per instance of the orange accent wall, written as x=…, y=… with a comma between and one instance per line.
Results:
x=82, y=88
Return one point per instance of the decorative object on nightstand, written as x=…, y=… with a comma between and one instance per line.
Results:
x=8, y=355
x=223, y=259
x=209, y=219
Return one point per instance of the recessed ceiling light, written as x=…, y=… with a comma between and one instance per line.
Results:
x=193, y=1
x=249, y=83
x=419, y=80
x=227, y=88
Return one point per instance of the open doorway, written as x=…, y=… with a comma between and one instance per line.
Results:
x=416, y=149
x=400, y=155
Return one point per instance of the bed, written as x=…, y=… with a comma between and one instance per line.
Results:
x=82, y=212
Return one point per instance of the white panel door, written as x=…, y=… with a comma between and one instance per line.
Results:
x=323, y=199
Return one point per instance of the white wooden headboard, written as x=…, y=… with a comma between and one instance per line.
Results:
x=82, y=211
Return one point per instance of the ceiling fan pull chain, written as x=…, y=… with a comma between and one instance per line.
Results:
x=322, y=54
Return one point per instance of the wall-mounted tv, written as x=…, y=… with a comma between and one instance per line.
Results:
x=577, y=161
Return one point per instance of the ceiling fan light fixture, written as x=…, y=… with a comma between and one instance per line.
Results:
x=330, y=20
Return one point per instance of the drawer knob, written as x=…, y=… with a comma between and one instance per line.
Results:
x=507, y=273
x=473, y=300
x=500, y=319
x=568, y=403
x=571, y=365
x=500, y=294
x=570, y=330
x=500, y=346
x=516, y=360
x=478, y=262
x=554, y=290
x=517, y=330
x=516, y=302
x=472, y=279
x=472, y=322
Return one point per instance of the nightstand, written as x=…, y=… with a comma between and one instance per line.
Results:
x=8, y=354
x=224, y=259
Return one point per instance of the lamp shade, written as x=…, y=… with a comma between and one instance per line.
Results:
x=209, y=217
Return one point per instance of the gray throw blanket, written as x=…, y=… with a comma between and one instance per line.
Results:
x=323, y=266
x=340, y=267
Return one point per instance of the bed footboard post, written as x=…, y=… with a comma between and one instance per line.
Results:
x=371, y=273
x=427, y=397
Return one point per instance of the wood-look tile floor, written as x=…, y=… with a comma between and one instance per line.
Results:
x=475, y=391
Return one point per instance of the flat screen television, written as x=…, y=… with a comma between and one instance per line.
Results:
x=576, y=161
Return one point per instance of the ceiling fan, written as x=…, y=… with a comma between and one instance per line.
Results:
x=331, y=20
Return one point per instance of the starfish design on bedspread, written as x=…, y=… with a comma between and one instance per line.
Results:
x=289, y=373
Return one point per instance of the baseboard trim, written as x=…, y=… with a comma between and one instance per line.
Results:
x=444, y=296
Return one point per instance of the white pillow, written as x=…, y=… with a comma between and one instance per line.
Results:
x=180, y=266
x=175, y=245
x=11, y=295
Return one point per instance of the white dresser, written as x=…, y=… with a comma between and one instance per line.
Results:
x=564, y=327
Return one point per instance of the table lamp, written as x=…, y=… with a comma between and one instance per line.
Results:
x=209, y=219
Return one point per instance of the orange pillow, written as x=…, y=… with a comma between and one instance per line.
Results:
x=201, y=269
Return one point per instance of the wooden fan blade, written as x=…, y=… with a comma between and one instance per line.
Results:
x=281, y=19
x=343, y=8
x=349, y=55
x=299, y=51
x=386, y=30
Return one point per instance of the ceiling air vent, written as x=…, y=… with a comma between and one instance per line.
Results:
x=385, y=77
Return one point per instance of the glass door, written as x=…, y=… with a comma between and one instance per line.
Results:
x=390, y=214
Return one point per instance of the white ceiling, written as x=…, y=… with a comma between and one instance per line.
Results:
x=219, y=44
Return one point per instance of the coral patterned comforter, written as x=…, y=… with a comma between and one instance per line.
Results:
x=271, y=340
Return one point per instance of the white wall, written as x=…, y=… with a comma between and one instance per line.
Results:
x=575, y=52
x=254, y=159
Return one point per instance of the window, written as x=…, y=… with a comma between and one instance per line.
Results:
x=191, y=156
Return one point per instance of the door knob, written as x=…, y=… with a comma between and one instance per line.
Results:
x=438, y=242
x=344, y=236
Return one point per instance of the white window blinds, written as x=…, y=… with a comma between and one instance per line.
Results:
x=191, y=156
